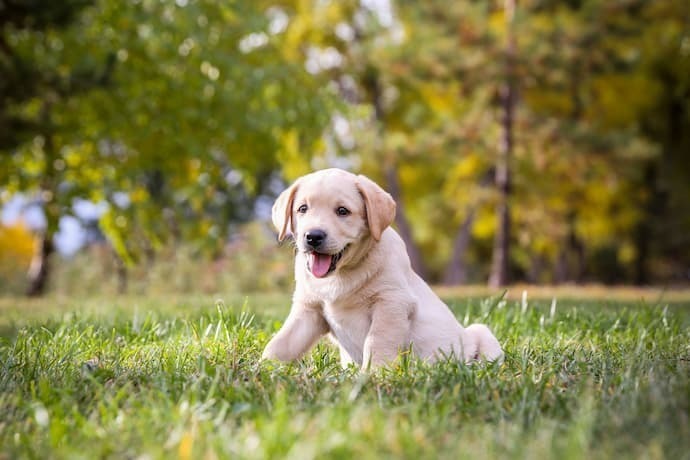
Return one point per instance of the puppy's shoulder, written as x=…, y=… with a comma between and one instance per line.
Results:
x=392, y=261
x=393, y=251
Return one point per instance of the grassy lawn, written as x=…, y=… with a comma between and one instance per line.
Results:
x=180, y=378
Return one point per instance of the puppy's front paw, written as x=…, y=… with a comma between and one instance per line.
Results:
x=484, y=344
x=271, y=352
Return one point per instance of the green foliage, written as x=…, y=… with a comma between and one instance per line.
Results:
x=24, y=77
x=143, y=377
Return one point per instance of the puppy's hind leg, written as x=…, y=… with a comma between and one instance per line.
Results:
x=486, y=345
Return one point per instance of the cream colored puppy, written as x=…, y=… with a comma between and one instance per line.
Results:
x=354, y=280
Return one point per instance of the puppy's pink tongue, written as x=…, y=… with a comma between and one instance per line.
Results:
x=320, y=264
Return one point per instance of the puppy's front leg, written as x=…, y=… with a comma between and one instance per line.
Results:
x=388, y=335
x=303, y=327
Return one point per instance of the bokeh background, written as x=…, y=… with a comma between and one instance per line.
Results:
x=143, y=142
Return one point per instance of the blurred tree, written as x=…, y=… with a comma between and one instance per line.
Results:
x=29, y=91
x=662, y=235
x=208, y=104
x=576, y=159
x=461, y=70
x=203, y=105
x=602, y=96
x=428, y=81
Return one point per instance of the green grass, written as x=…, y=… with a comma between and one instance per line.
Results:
x=181, y=378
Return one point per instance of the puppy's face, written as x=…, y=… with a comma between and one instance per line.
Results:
x=329, y=216
x=329, y=213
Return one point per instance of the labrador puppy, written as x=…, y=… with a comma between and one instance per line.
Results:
x=354, y=280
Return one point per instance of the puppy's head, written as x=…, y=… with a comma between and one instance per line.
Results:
x=329, y=213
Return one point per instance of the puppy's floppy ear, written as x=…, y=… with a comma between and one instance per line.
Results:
x=282, y=211
x=379, y=204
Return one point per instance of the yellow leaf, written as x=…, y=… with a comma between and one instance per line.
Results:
x=441, y=99
x=468, y=166
x=16, y=248
x=184, y=451
x=139, y=195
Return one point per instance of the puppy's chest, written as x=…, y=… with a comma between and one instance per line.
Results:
x=350, y=327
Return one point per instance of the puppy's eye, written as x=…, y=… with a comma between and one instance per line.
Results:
x=302, y=209
x=341, y=211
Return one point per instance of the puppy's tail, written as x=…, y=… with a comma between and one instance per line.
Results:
x=484, y=344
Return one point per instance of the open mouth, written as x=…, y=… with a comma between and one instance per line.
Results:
x=322, y=265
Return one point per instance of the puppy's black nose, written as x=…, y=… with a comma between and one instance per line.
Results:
x=314, y=238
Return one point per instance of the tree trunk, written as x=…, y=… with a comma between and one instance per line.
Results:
x=560, y=269
x=644, y=230
x=570, y=264
x=456, y=271
x=577, y=248
x=536, y=268
x=39, y=270
x=500, y=258
x=393, y=186
x=121, y=273
x=499, y=261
